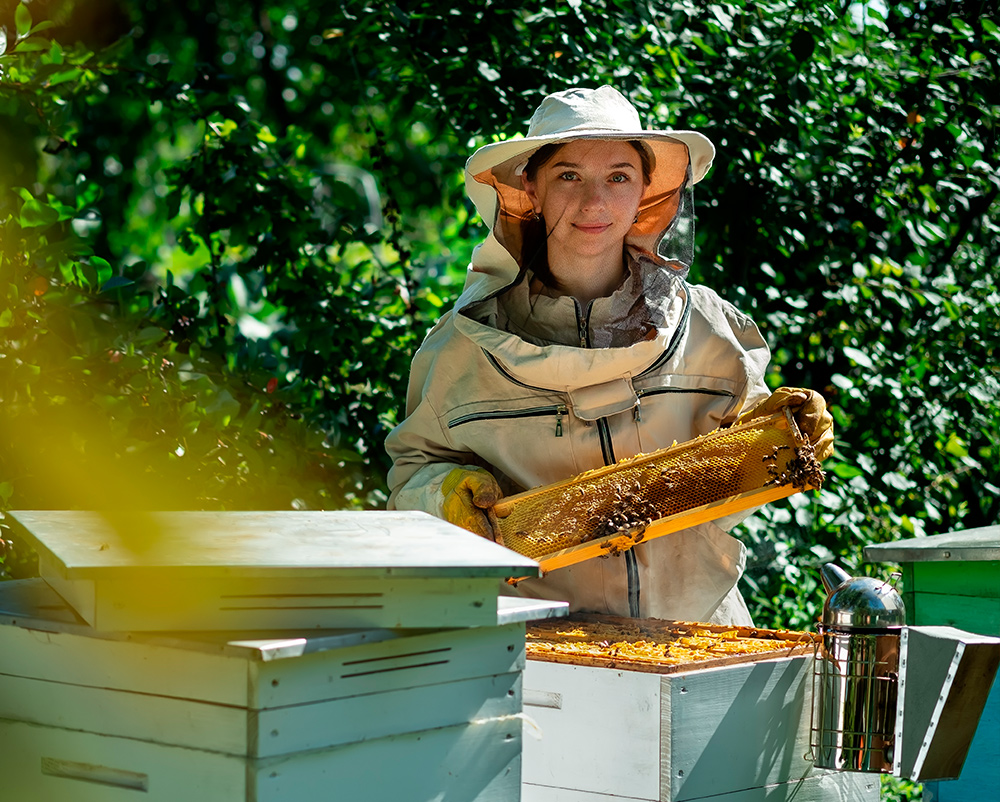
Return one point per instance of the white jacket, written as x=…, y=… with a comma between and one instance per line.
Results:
x=536, y=390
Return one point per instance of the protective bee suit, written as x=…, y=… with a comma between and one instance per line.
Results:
x=525, y=383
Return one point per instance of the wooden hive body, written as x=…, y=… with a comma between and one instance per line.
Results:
x=87, y=716
x=734, y=732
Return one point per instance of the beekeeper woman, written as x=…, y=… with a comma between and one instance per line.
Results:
x=577, y=342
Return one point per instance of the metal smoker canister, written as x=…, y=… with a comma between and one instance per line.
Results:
x=858, y=673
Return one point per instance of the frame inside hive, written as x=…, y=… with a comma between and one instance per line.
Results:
x=608, y=637
x=609, y=510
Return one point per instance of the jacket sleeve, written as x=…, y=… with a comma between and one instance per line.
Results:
x=756, y=357
x=421, y=450
x=421, y=458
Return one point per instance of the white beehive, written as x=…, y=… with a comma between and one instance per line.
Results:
x=736, y=732
x=88, y=716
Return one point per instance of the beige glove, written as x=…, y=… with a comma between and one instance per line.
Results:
x=468, y=493
x=809, y=410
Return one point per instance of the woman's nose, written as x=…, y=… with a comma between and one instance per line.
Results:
x=595, y=196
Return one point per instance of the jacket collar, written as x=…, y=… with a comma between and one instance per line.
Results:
x=534, y=338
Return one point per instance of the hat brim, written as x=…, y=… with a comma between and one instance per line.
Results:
x=504, y=158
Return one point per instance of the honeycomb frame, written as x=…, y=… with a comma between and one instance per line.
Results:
x=611, y=509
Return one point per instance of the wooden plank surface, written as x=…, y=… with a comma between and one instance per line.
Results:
x=979, y=778
x=473, y=762
x=964, y=612
x=248, y=733
x=263, y=544
x=592, y=729
x=970, y=544
x=821, y=787
x=49, y=763
x=138, y=716
x=124, y=664
x=421, y=659
x=753, y=719
x=738, y=733
x=957, y=696
x=233, y=675
x=32, y=604
x=300, y=728
x=243, y=604
x=967, y=578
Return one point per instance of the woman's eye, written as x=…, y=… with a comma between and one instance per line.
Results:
x=619, y=178
x=568, y=176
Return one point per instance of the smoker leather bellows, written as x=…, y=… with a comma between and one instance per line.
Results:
x=609, y=510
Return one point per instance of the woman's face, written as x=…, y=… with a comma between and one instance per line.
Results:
x=589, y=193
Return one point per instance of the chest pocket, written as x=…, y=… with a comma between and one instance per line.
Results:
x=603, y=400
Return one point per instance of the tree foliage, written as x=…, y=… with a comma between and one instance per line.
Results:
x=224, y=230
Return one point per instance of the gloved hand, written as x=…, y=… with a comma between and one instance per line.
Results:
x=468, y=493
x=810, y=413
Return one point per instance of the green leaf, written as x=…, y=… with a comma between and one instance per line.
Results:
x=35, y=213
x=103, y=269
x=63, y=76
x=845, y=471
x=116, y=283
x=859, y=357
x=22, y=20
x=32, y=45
x=488, y=72
x=150, y=334
x=956, y=446
x=44, y=25
x=225, y=406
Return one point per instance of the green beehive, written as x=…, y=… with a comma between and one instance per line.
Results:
x=954, y=580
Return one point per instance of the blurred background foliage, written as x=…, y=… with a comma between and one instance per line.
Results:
x=225, y=227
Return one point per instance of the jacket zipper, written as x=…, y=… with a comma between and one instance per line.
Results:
x=559, y=410
x=640, y=394
x=608, y=453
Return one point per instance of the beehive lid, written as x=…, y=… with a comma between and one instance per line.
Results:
x=214, y=571
x=970, y=545
x=93, y=545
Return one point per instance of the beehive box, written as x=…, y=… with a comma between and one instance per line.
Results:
x=368, y=714
x=953, y=579
x=205, y=571
x=731, y=728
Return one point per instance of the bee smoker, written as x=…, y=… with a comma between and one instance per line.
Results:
x=857, y=670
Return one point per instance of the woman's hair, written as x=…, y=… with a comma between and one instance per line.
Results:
x=534, y=253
